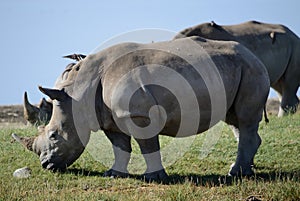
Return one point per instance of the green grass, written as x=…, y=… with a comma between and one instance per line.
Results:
x=277, y=171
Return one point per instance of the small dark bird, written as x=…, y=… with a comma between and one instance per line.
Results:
x=212, y=23
x=76, y=57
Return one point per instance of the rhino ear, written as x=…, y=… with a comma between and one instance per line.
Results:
x=54, y=94
x=46, y=105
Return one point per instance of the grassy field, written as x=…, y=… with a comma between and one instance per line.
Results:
x=277, y=171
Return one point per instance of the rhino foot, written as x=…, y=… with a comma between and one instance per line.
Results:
x=238, y=170
x=157, y=176
x=115, y=174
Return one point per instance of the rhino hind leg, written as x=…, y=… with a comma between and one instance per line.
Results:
x=232, y=121
x=122, y=150
x=246, y=113
x=248, y=145
x=151, y=152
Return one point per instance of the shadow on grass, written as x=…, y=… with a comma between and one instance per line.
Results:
x=203, y=180
x=83, y=172
x=206, y=180
x=278, y=176
x=221, y=180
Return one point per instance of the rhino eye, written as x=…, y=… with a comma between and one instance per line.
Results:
x=52, y=135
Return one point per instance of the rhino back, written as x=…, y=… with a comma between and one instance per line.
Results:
x=274, y=44
x=147, y=65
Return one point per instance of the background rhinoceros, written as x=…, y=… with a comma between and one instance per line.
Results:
x=275, y=45
x=41, y=114
x=177, y=88
x=37, y=115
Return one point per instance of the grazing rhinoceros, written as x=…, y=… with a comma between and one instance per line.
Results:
x=177, y=88
x=41, y=114
x=275, y=45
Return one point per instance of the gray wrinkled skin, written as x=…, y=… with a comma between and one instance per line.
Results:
x=84, y=102
x=275, y=45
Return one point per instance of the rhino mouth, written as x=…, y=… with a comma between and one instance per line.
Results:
x=54, y=164
x=55, y=160
x=59, y=161
x=53, y=167
x=49, y=166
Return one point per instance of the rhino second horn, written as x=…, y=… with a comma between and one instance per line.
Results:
x=30, y=111
x=27, y=142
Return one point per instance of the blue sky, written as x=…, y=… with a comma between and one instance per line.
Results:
x=35, y=34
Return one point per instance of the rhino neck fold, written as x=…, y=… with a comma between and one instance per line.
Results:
x=84, y=98
x=82, y=123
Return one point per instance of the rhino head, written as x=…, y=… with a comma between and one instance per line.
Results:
x=57, y=144
x=37, y=115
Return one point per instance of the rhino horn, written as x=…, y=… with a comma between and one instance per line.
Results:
x=30, y=111
x=27, y=142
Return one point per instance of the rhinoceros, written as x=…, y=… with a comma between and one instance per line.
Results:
x=41, y=114
x=177, y=88
x=275, y=45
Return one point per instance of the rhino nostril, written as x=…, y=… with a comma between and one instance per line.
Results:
x=45, y=163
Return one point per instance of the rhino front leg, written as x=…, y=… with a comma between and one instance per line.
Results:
x=151, y=152
x=249, y=142
x=122, y=150
x=287, y=92
x=289, y=102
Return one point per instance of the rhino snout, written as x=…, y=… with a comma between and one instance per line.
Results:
x=47, y=165
x=53, y=166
